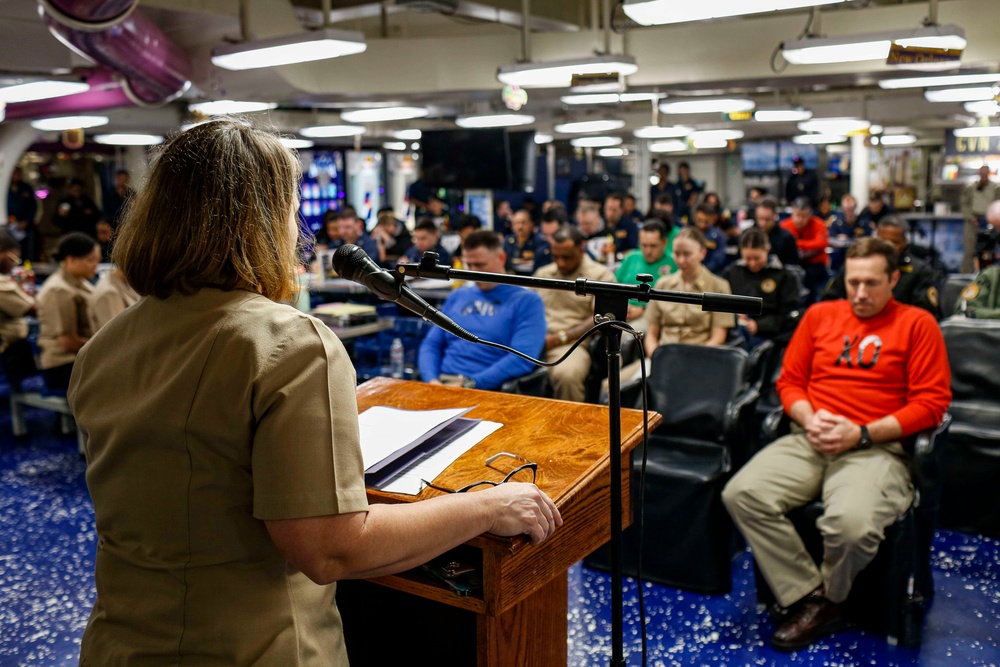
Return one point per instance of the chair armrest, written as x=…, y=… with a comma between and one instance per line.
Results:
x=776, y=424
x=534, y=383
x=744, y=401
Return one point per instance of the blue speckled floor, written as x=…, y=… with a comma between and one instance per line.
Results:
x=46, y=588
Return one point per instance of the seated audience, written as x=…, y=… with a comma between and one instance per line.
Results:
x=811, y=238
x=981, y=299
x=876, y=209
x=668, y=322
x=706, y=218
x=526, y=250
x=622, y=228
x=465, y=224
x=665, y=203
x=328, y=235
x=916, y=285
x=105, y=239
x=352, y=231
x=505, y=314
x=782, y=242
x=858, y=377
x=845, y=228
x=629, y=212
x=569, y=316
x=651, y=257
x=111, y=296
x=15, y=350
x=588, y=219
x=392, y=238
x=759, y=274
x=65, y=308
x=426, y=238
x=552, y=219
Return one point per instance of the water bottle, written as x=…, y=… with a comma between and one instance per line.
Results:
x=29, y=279
x=396, y=353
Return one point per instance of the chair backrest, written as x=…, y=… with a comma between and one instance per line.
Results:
x=692, y=386
x=975, y=366
x=952, y=290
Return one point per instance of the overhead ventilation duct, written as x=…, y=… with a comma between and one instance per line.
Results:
x=114, y=34
x=106, y=92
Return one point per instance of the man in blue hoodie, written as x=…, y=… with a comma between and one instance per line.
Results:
x=505, y=314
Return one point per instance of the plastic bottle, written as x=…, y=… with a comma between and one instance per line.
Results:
x=29, y=279
x=396, y=353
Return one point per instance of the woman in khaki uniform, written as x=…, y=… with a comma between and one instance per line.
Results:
x=685, y=323
x=222, y=435
x=15, y=303
x=65, y=311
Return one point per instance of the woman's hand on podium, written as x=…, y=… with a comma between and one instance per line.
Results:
x=521, y=508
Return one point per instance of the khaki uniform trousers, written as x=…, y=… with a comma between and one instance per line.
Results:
x=863, y=492
x=568, y=377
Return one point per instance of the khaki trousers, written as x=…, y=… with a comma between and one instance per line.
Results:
x=568, y=377
x=863, y=492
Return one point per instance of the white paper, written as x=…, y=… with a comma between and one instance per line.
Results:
x=385, y=430
x=409, y=483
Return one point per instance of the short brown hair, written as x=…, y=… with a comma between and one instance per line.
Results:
x=483, y=238
x=214, y=213
x=871, y=246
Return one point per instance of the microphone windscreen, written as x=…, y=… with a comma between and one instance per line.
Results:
x=347, y=260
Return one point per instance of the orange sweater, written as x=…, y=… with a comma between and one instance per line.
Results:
x=811, y=240
x=864, y=369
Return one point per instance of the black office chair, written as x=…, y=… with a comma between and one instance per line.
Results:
x=951, y=291
x=705, y=398
x=889, y=596
x=972, y=465
x=631, y=352
x=534, y=383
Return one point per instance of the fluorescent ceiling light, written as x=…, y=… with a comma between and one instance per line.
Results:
x=559, y=73
x=659, y=12
x=128, y=139
x=709, y=143
x=819, y=139
x=716, y=135
x=979, y=131
x=870, y=46
x=609, y=98
x=68, y=123
x=611, y=152
x=543, y=138
x=394, y=145
x=221, y=107
x=607, y=125
x=834, y=125
x=325, y=131
x=291, y=142
x=381, y=114
x=875, y=128
x=975, y=94
x=983, y=108
x=640, y=97
x=41, y=90
x=289, y=49
x=932, y=81
x=658, y=132
x=897, y=140
x=494, y=120
x=407, y=135
x=595, y=142
x=727, y=105
x=781, y=115
x=672, y=146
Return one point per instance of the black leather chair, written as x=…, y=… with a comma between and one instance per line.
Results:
x=631, y=352
x=889, y=596
x=970, y=498
x=705, y=398
x=534, y=383
x=951, y=290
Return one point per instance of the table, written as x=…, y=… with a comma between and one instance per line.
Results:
x=519, y=615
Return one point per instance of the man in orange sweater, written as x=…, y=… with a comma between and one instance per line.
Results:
x=859, y=376
x=811, y=239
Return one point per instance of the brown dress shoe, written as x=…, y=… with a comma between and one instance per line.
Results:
x=815, y=617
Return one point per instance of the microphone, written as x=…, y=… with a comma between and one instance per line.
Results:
x=354, y=264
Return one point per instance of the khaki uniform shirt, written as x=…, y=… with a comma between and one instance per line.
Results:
x=14, y=303
x=976, y=200
x=112, y=295
x=684, y=322
x=64, y=307
x=565, y=310
x=203, y=416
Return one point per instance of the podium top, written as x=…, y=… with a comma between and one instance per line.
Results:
x=568, y=440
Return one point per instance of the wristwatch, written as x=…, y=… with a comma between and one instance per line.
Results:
x=866, y=441
x=563, y=337
x=468, y=383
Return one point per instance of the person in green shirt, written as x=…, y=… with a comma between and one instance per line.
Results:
x=652, y=257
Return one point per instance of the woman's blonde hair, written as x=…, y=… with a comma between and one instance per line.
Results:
x=214, y=213
x=694, y=234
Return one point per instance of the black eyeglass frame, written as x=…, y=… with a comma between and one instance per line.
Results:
x=527, y=465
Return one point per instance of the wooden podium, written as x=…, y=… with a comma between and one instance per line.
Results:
x=519, y=616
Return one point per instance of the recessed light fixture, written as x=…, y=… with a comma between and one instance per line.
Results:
x=672, y=146
x=407, y=135
x=983, y=108
x=659, y=132
x=611, y=152
x=394, y=145
x=543, y=138
x=819, y=138
x=932, y=81
x=289, y=49
x=660, y=12
x=69, y=123
x=380, y=114
x=494, y=120
x=716, y=135
x=41, y=90
x=327, y=131
x=781, y=115
x=717, y=105
x=978, y=131
x=579, y=127
x=974, y=94
x=128, y=139
x=220, y=107
x=842, y=126
x=897, y=139
x=870, y=46
x=609, y=98
x=559, y=73
x=292, y=142
x=595, y=142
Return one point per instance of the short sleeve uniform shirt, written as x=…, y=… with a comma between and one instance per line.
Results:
x=687, y=323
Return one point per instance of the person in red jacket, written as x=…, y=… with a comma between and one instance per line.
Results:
x=859, y=375
x=811, y=239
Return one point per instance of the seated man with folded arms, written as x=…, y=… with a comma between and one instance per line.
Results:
x=505, y=314
x=569, y=316
x=859, y=375
x=426, y=238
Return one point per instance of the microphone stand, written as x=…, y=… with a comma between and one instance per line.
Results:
x=610, y=304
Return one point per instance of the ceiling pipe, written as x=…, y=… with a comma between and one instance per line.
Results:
x=112, y=33
x=105, y=92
